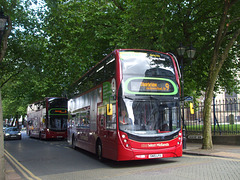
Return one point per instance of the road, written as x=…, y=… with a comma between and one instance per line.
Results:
x=56, y=160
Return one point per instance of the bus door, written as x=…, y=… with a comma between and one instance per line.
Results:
x=36, y=124
x=110, y=134
x=93, y=111
x=92, y=119
x=82, y=119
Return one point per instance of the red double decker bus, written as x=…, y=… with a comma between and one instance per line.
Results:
x=128, y=107
x=47, y=119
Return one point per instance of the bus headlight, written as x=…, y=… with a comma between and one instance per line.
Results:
x=179, y=138
x=125, y=140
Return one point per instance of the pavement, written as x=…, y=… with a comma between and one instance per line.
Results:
x=225, y=151
x=11, y=173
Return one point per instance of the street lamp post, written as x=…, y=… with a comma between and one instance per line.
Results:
x=190, y=53
x=3, y=21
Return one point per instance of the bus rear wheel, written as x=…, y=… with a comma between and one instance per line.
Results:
x=40, y=136
x=99, y=150
x=73, y=142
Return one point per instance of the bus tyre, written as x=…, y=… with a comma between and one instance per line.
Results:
x=99, y=150
x=73, y=142
x=40, y=136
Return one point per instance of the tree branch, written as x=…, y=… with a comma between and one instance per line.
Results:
x=13, y=75
x=223, y=27
x=219, y=37
x=229, y=46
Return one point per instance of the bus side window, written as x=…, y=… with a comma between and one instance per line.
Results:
x=90, y=83
x=110, y=67
x=30, y=123
x=82, y=118
x=99, y=75
x=77, y=120
x=71, y=120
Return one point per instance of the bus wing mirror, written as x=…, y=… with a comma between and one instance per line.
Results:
x=109, y=109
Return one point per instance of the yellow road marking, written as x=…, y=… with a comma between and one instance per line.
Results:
x=24, y=171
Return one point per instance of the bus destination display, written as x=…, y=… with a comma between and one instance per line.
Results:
x=154, y=86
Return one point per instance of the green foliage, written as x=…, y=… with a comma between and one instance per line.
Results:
x=52, y=46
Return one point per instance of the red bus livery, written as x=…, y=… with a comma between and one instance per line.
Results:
x=128, y=107
x=47, y=119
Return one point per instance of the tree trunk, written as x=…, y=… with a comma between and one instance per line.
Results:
x=220, y=54
x=2, y=164
x=207, y=126
x=207, y=133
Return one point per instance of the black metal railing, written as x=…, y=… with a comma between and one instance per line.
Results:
x=225, y=117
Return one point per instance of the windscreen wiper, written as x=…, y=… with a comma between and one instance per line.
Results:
x=155, y=98
x=127, y=97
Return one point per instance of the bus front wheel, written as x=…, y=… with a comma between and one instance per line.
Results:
x=99, y=150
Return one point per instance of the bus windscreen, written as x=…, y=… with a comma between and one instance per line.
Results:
x=149, y=116
x=149, y=64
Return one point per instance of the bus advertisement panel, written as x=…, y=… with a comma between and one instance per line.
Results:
x=128, y=107
x=47, y=119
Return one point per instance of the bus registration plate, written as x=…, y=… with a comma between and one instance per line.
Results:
x=155, y=156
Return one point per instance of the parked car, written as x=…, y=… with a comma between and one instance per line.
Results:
x=12, y=133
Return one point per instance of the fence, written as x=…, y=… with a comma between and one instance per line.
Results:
x=225, y=118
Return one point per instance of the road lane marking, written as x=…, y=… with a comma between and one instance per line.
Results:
x=23, y=170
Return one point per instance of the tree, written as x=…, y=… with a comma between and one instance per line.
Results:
x=215, y=34
x=228, y=33
x=24, y=60
x=21, y=21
